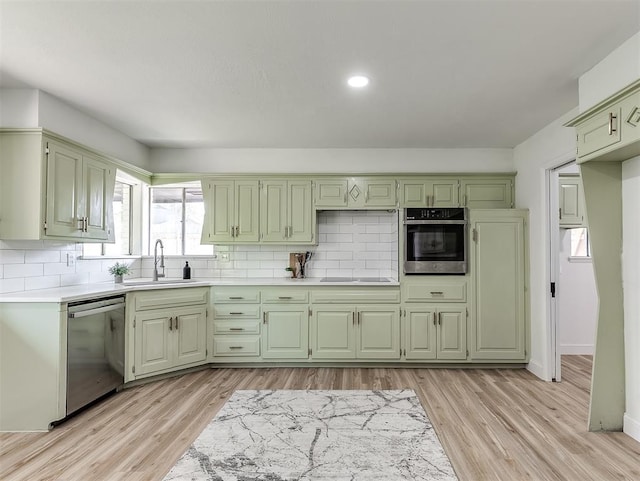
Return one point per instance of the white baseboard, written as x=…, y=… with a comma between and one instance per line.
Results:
x=537, y=369
x=631, y=427
x=577, y=349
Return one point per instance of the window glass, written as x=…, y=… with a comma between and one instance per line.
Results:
x=580, y=242
x=176, y=216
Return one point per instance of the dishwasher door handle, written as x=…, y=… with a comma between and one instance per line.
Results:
x=90, y=312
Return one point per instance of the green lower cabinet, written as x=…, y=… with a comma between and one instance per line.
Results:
x=435, y=332
x=378, y=332
x=285, y=332
x=169, y=339
x=350, y=332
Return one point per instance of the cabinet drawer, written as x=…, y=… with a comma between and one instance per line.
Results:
x=229, y=346
x=170, y=298
x=251, y=296
x=239, y=327
x=236, y=311
x=285, y=296
x=454, y=292
x=351, y=296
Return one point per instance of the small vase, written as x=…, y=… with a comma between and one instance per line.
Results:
x=117, y=279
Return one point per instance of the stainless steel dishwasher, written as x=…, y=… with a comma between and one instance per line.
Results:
x=95, y=349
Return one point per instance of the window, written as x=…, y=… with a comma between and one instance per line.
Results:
x=122, y=226
x=176, y=215
x=580, y=246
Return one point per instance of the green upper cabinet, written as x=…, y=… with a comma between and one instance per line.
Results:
x=498, y=264
x=487, y=192
x=429, y=192
x=231, y=211
x=571, y=201
x=65, y=191
x=331, y=193
x=611, y=129
x=356, y=193
x=286, y=211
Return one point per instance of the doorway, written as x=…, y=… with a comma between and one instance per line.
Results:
x=574, y=299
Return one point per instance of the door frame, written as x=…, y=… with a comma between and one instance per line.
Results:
x=553, y=263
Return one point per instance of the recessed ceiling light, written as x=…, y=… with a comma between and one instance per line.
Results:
x=358, y=81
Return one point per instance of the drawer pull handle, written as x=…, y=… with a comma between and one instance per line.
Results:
x=236, y=328
x=437, y=293
x=285, y=297
x=236, y=297
x=235, y=313
x=236, y=347
x=611, y=119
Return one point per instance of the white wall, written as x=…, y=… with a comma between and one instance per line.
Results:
x=548, y=148
x=577, y=301
x=26, y=108
x=631, y=286
x=331, y=160
x=620, y=68
x=18, y=108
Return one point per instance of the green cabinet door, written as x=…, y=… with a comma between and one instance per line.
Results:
x=64, y=208
x=330, y=193
x=498, y=264
x=153, y=338
x=273, y=211
x=420, y=333
x=601, y=131
x=98, y=185
x=487, y=193
x=285, y=333
x=378, y=332
x=452, y=333
x=571, y=201
x=301, y=214
x=190, y=335
x=333, y=332
x=246, y=211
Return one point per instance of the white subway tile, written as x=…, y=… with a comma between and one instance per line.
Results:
x=352, y=264
x=54, y=269
x=378, y=264
x=361, y=238
x=339, y=255
x=74, y=279
x=42, y=282
x=390, y=238
x=12, y=256
x=11, y=285
x=90, y=265
x=23, y=270
x=260, y=273
x=339, y=238
x=260, y=256
x=23, y=244
x=327, y=265
x=36, y=256
x=339, y=273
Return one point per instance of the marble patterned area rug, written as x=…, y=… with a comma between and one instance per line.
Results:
x=317, y=435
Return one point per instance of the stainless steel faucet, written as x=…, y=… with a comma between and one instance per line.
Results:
x=155, y=260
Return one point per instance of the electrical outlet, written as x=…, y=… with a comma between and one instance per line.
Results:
x=224, y=257
x=71, y=259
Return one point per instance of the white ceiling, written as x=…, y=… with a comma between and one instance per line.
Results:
x=236, y=74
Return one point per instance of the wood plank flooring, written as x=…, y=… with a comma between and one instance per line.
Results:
x=495, y=424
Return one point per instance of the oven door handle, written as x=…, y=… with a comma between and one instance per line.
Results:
x=98, y=310
x=435, y=222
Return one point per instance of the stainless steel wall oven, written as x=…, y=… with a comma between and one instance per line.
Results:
x=435, y=241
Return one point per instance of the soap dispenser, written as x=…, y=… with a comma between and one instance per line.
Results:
x=186, y=271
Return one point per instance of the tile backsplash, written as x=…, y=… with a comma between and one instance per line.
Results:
x=350, y=243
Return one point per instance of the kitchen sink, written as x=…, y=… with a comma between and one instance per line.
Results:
x=355, y=279
x=159, y=282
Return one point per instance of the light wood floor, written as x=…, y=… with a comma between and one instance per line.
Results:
x=495, y=424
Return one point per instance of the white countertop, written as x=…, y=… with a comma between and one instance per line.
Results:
x=84, y=291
